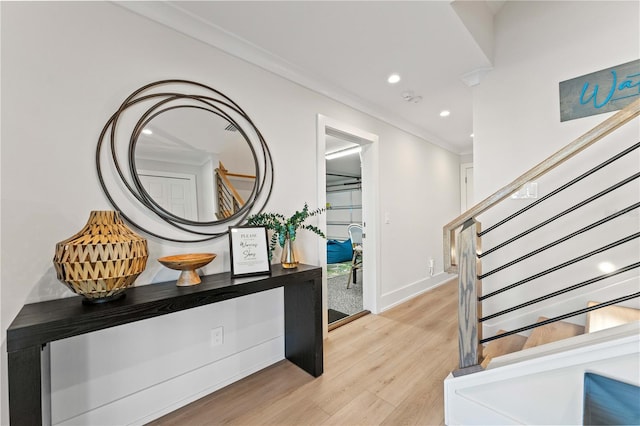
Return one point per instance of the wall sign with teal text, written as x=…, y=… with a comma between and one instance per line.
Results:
x=602, y=91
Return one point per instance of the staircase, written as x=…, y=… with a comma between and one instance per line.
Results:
x=602, y=319
x=228, y=198
x=611, y=316
x=529, y=329
x=542, y=384
x=539, y=379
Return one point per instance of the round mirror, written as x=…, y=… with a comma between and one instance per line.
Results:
x=195, y=165
x=195, y=160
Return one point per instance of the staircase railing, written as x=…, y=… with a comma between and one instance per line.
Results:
x=463, y=252
x=228, y=198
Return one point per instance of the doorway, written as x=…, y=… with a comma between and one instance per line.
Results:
x=344, y=228
x=348, y=187
x=466, y=187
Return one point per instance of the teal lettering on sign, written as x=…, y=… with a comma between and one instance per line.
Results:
x=602, y=91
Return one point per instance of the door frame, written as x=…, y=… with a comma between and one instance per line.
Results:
x=370, y=208
x=463, y=186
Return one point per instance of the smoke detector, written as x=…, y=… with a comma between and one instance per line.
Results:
x=411, y=97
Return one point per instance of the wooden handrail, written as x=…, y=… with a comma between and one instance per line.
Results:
x=224, y=174
x=239, y=175
x=623, y=116
x=228, y=173
x=230, y=187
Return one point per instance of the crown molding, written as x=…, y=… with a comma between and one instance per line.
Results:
x=183, y=21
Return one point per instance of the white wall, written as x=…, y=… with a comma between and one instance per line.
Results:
x=66, y=67
x=416, y=184
x=537, y=45
x=517, y=125
x=466, y=158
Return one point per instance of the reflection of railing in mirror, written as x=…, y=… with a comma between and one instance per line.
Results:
x=229, y=200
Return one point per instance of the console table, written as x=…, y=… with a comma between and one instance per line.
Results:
x=37, y=324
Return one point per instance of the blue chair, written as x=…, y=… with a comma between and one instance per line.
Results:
x=339, y=251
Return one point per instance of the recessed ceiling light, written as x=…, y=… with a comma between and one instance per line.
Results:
x=393, y=78
x=445, y=113
x=606, y=267
x=147, y=131
x=471, y=135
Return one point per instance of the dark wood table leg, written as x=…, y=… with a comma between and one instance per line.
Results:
x=25, y=387
x=303, y=325
x=45, y=373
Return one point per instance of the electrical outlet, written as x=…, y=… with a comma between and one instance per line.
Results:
x=217, y=336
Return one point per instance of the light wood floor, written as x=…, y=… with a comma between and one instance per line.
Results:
x=385, y=369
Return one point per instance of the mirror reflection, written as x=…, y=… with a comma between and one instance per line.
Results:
x=195, y=164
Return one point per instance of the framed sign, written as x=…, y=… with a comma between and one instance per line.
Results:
x=249, y=250
x=602, y=91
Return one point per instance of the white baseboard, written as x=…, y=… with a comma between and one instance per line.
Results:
x=165, y=397
x=401, y=295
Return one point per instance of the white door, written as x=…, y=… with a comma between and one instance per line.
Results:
x=466, y=187
x=176, y=194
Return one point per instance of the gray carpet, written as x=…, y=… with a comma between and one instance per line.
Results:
x=341, y=298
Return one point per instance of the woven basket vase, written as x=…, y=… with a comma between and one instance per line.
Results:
x=101, y=260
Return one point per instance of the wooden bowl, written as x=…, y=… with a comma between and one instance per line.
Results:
x=187, y=263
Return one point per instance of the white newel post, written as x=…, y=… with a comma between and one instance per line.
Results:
x=469, y=309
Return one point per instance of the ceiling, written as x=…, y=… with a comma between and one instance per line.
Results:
x=340, y=169
x=347, y=49
x=189, y=136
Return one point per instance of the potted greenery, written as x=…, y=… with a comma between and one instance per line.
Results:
x=284, y=231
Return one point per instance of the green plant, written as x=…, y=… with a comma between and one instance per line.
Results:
x=284, y=227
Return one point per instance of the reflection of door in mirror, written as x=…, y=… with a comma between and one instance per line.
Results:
x=174, y=192
x=190, y=141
